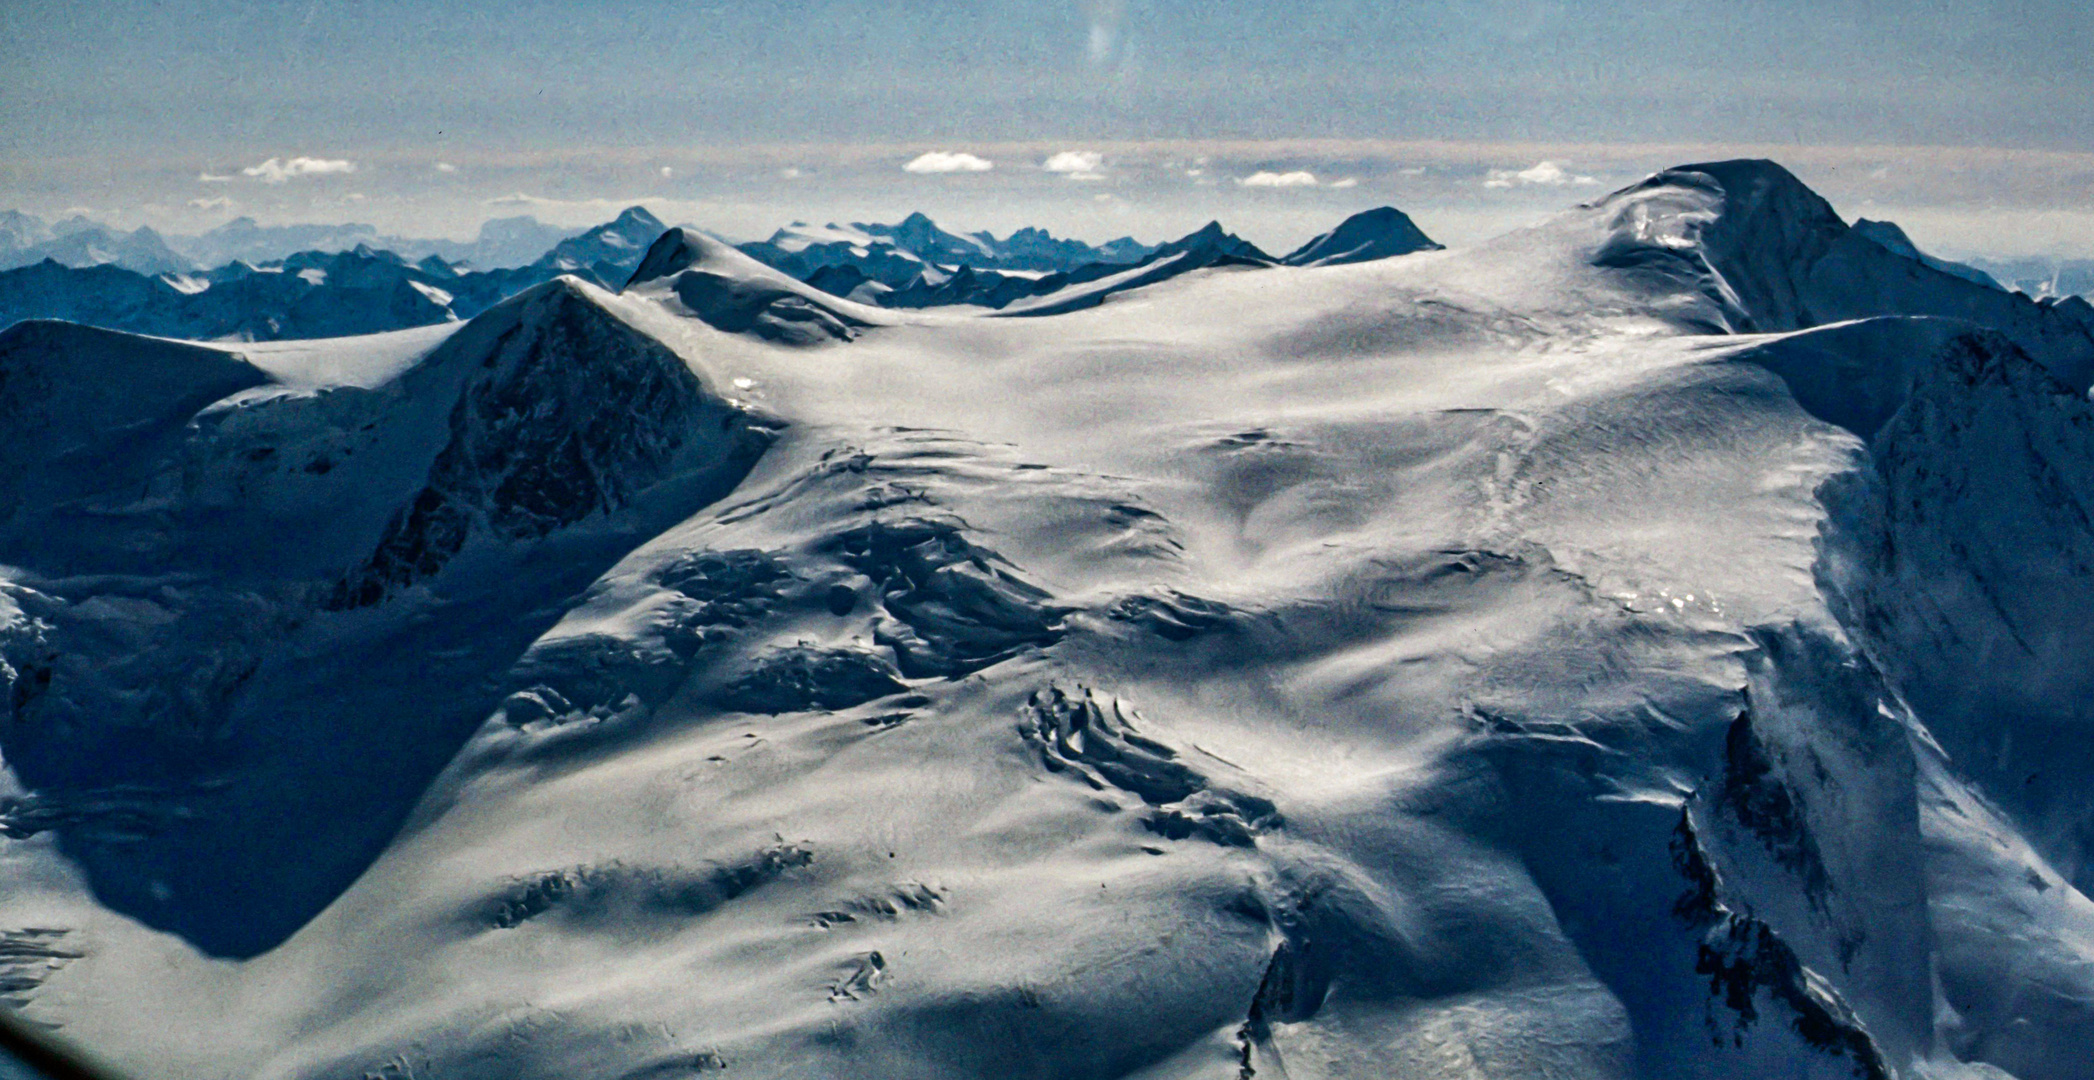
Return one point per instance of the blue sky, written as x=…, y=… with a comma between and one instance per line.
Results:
x=1966, y=120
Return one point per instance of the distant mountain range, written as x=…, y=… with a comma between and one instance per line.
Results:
x=78, y=242
x=311, y=294
x=350, y=280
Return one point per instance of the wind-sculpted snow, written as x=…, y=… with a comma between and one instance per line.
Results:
x=1482, y=663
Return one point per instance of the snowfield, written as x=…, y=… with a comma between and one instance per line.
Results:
x=1654, y=644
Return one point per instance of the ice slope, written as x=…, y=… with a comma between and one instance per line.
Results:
x=1477, y=664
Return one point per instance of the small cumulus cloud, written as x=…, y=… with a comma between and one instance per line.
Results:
x=446, y=167
x=1543, y=174
x=1414, y=170
x=790, y=172
x=275, y=171
x=943, y=161
x=1348, y=182
x=219, y=202
x=667, y=172
x=1297, y=178
x=208, y=177
x=1076, y=164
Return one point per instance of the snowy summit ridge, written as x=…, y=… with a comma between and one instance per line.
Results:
x=1645, y=646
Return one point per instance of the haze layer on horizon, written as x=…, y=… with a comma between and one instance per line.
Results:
x=1091, y=117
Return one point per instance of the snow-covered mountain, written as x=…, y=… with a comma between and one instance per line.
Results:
x=916, y=264
x=607, y=253
x=243, y=239
x=78, y=242
x=884, y=252
x=1893, y=238
x=2041, y=277
x=1209, y=247
x=501, y=243
x=1643, y=646
x=1381, y=233
x=311, y=294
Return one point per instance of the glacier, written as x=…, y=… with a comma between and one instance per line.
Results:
x=1651, y=644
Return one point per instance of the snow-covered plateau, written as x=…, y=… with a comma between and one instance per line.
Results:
x=1655, y=644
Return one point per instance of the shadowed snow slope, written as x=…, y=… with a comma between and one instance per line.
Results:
x=1487, y=663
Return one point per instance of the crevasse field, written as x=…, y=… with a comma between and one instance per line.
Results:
x=1655, y=644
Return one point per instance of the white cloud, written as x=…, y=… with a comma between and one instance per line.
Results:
x=446, y=167
x=208, y=177
x=1544, y=174
x=1415, y=170
x=790, y=172
x=667, y=172
x=1297, y=178
x=943, y=161
x=274, y=171
x=217, y=203
x=1076, y=164
x=1350, y=181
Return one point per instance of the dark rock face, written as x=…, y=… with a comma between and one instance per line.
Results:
x=1744, y=959
x=574, y=415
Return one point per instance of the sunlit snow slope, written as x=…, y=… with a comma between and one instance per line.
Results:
x=1648, y=645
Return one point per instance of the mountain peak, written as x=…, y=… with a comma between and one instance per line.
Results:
x=636, y=216
x=719, y=285
x=1380, y=233
x=1746, y=247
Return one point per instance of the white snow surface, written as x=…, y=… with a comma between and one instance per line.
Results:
x=1548, y=659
